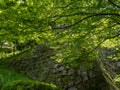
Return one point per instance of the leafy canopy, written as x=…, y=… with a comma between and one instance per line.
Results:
x=75, y=28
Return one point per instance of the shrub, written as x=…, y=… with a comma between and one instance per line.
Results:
x=29, y=85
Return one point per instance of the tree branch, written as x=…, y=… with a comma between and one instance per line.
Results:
x=114, y=4
x=102, y=42
x=84, y=13
x=74, y=14
x=100, y=14
x=113, y=36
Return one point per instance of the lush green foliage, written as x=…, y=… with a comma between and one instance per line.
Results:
x=75, y=28
x=117, y=80
x=85, y=26
x=10, y=80
x=7, y=76
x=28, y=85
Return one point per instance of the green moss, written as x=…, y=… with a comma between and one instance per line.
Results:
x=29, y=85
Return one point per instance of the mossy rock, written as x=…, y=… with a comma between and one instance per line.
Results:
x=29, y=85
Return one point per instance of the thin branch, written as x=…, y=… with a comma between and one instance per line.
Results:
x=100, y=14
x=74, y=14
x=114, y=4
x=97, y=46
x=115, y=20
x=113, y=36
x=103, y=42
x=84, y=13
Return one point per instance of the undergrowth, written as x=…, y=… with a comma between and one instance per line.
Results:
x=7, y=76
x=29, y=85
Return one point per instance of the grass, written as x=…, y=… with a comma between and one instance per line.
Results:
x=29, y=85
x=10, y=80
x=8, y=76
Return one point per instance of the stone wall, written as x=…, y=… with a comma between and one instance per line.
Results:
x=110, y=59
x=42, y=68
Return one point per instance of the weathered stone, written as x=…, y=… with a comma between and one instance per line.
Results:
x=70, y=72
x=61, y=68
x=56, y=65
x=70, y=84
x=77, y=82
x=47, y=70
x=72, y=78
x=64, y=72
x=84, y=76
x=118, y=64
x=72, y=88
